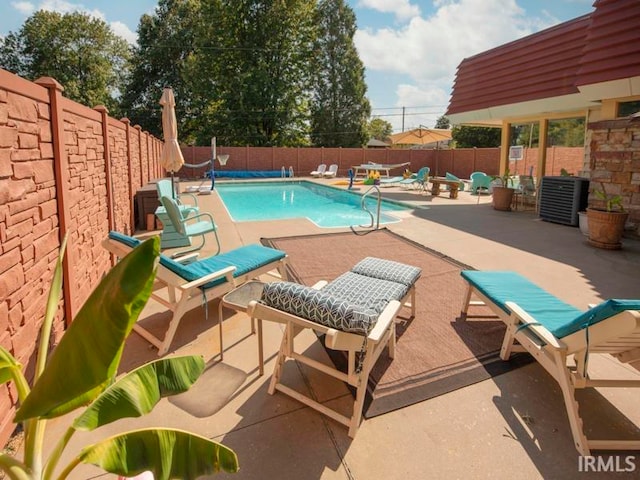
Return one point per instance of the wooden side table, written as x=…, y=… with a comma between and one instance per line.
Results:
x=238, y=300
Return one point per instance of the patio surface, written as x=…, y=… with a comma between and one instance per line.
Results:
x=510, y=426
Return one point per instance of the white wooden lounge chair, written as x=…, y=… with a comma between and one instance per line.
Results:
x=191, y=285
x=355, y=312
x=554, y=331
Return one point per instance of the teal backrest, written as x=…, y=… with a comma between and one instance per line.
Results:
x=173, y=211
x=423, y=173
x=164, y=189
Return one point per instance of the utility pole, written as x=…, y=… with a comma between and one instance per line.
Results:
x=403, y=119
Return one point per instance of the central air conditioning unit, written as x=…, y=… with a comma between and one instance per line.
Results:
x=561, y=198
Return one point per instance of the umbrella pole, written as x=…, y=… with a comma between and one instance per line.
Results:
x=173, y=188
x=213, y=161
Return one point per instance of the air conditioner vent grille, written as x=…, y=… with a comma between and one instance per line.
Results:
x=561, y=198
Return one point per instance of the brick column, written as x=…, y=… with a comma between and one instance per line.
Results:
x=61, y=171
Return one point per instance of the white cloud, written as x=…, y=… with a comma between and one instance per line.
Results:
x=427, y=50
x=402, y=9
x=26, y=8
x=64, y=7
x=124, y=31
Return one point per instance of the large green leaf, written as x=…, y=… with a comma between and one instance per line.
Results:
x=139, y=391
x=168, y=453
x=89, y=352
x=8, y=366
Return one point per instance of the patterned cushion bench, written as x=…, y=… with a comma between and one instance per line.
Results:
x=353, y=301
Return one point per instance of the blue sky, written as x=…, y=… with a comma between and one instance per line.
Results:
x=410, y=48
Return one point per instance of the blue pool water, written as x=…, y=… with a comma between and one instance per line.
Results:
x=325, y=206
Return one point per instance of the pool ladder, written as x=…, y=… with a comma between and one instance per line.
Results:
x=375, y=219
x=283, y=172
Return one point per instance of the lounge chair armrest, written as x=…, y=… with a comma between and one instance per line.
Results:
x=534, y=326
x=384, y=320
x=186, y=258
x=199, y=215
x=190, y=195
x=224, y=272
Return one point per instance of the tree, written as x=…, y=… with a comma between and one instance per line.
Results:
x=380, y=129
x=166, y=44
x=480, y=137
x=263, y=72
x=79, y=51
x=339, y=108
x=443, y=122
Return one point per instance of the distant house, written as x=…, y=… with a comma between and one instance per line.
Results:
x=375, y=143
x=587, y=67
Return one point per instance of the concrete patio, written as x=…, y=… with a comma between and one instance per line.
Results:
x=511, y=426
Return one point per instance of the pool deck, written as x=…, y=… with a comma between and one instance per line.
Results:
x=510, y=426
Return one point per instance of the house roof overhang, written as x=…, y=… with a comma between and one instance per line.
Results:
x=571, y=67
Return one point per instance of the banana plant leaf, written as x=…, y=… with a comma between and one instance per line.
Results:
x=8, y=366
x=139, y=391
x=168, y=453
x=89, y=352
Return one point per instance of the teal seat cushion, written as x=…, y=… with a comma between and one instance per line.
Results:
x=560, y=318
x=502, y=287
x=245, y=259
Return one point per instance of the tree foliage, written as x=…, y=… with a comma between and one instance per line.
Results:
x=443, y=122
x=479, y=137
x=166, y=44
x=339, y=109
x=380, y=129
x=263, y=72
x=78, y=50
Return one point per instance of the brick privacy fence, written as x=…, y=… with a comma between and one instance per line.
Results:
x=64, y=168
x=460, y=161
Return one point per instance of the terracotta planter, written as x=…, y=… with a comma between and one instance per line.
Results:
x=502, y=197
x=606, y=228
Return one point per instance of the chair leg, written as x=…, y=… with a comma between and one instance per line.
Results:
x=173, y=325
x=571, y=404
x=280, y=359
x=220, y=330
x=363, y=379
x=466, y=302
x=509, y=338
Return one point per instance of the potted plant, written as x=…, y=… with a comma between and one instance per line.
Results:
x=502, y=192
x=607, y=220
x=80, y=373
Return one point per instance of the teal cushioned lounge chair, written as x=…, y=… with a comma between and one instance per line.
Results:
x=196, y=283
x=420, y=180
x=552, y=331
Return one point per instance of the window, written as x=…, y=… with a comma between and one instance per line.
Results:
x=627, y=108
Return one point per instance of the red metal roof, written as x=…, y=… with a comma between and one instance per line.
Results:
x=612, y=50
x=597, y=47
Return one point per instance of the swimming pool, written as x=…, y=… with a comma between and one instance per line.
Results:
x=327, y=207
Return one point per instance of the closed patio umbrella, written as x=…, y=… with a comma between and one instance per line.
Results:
x=171, y=158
